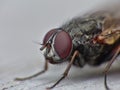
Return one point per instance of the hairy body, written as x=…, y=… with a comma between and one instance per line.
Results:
x=82, y=31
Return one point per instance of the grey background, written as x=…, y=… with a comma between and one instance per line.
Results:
x=24, y=21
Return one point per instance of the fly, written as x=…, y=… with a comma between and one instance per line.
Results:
x=92, y=39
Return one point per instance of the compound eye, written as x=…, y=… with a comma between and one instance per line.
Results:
x=48, y=35
x=63, y=44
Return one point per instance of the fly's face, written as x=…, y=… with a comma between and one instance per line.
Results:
x=57, y=46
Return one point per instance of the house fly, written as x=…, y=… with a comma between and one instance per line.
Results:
x=91, y=39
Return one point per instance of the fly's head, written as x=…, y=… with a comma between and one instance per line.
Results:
x=57, y=46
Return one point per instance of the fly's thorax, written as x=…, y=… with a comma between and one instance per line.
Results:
x=83, y=30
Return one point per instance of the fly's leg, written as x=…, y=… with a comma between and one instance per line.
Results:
x=116, y=52
x=35, y=75
x=66, y=71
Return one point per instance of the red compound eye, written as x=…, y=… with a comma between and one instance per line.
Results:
x=48, y=35
x=63, y=44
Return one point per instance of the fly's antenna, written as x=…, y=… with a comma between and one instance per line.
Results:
x=36, y=42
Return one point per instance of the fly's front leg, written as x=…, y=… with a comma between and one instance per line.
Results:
x=116, y=52
x=76, y=53
x=35, y=75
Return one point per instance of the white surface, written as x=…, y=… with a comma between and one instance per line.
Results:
x=25, y=21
